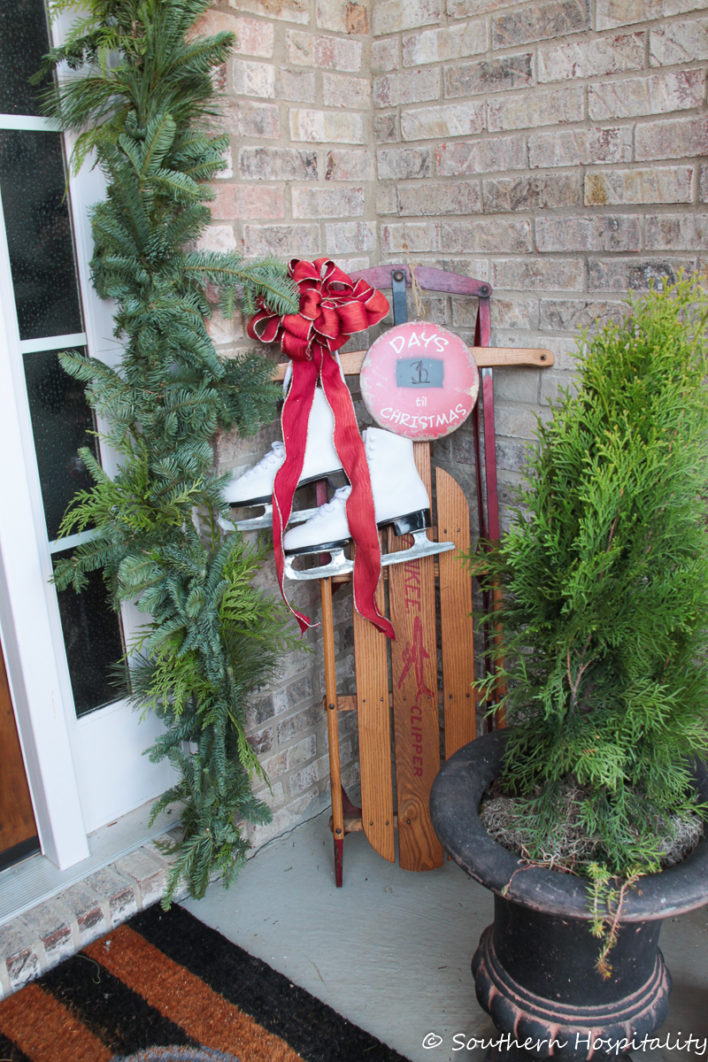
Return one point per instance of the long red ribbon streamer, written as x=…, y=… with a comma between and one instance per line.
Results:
x=332, y=307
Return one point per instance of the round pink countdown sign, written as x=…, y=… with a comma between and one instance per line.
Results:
x=419, y=380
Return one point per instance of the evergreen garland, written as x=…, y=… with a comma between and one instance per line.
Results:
x=605, y=578
x=141, y=98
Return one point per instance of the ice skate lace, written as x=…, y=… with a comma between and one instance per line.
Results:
x=272, y=459
x=340, y=495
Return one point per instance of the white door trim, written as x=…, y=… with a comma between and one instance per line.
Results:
x=26, y=603
x=82, y=773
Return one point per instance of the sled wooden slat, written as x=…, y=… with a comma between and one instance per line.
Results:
x=493, y=357
x=373, y=715
x=486, y=358
x=456, y=623
x=415, y=710
x=411, y=594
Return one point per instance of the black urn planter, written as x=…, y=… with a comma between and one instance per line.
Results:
x=534, y=969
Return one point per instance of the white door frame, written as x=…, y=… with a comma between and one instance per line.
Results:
x=82, y=773
x=26, y=628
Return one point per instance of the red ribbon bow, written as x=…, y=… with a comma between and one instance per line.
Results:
x=332, y=308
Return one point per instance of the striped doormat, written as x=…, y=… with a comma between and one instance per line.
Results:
x=163, y=987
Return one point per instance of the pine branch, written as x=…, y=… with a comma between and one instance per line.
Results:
x=210, y=638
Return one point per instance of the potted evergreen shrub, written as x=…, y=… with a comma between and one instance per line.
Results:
x=604, y=579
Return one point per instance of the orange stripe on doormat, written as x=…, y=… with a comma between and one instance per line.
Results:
x=186, y=1000
x=46, y=1031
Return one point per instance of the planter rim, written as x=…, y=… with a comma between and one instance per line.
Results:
x=454, y=802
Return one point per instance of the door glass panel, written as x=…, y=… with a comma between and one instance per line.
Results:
x=39, y=236
x=62, y=422
x=23, y=42
x=36, y=208
x=93, y=644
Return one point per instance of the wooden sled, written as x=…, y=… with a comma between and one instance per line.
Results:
x=403, y=712
x=407, y=688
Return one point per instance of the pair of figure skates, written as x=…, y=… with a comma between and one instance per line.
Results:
x=400, y=497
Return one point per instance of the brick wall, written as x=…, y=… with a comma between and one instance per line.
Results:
x=300, y=183
x=554, y=149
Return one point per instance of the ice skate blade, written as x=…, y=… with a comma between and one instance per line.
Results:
x=422, y=547
x=339, y=564
x=255, y=523
x=265, y=520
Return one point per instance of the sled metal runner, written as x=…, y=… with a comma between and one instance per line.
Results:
x=400, y=696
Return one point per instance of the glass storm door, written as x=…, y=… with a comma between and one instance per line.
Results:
x=44, y=249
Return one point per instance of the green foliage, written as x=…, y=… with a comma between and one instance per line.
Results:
x=140, y=96
x=605, y=581
x=607, y=900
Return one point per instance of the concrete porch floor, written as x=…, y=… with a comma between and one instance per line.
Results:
x=391, y=949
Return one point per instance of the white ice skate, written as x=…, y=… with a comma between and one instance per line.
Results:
x=255, y=486
x=400, y=499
